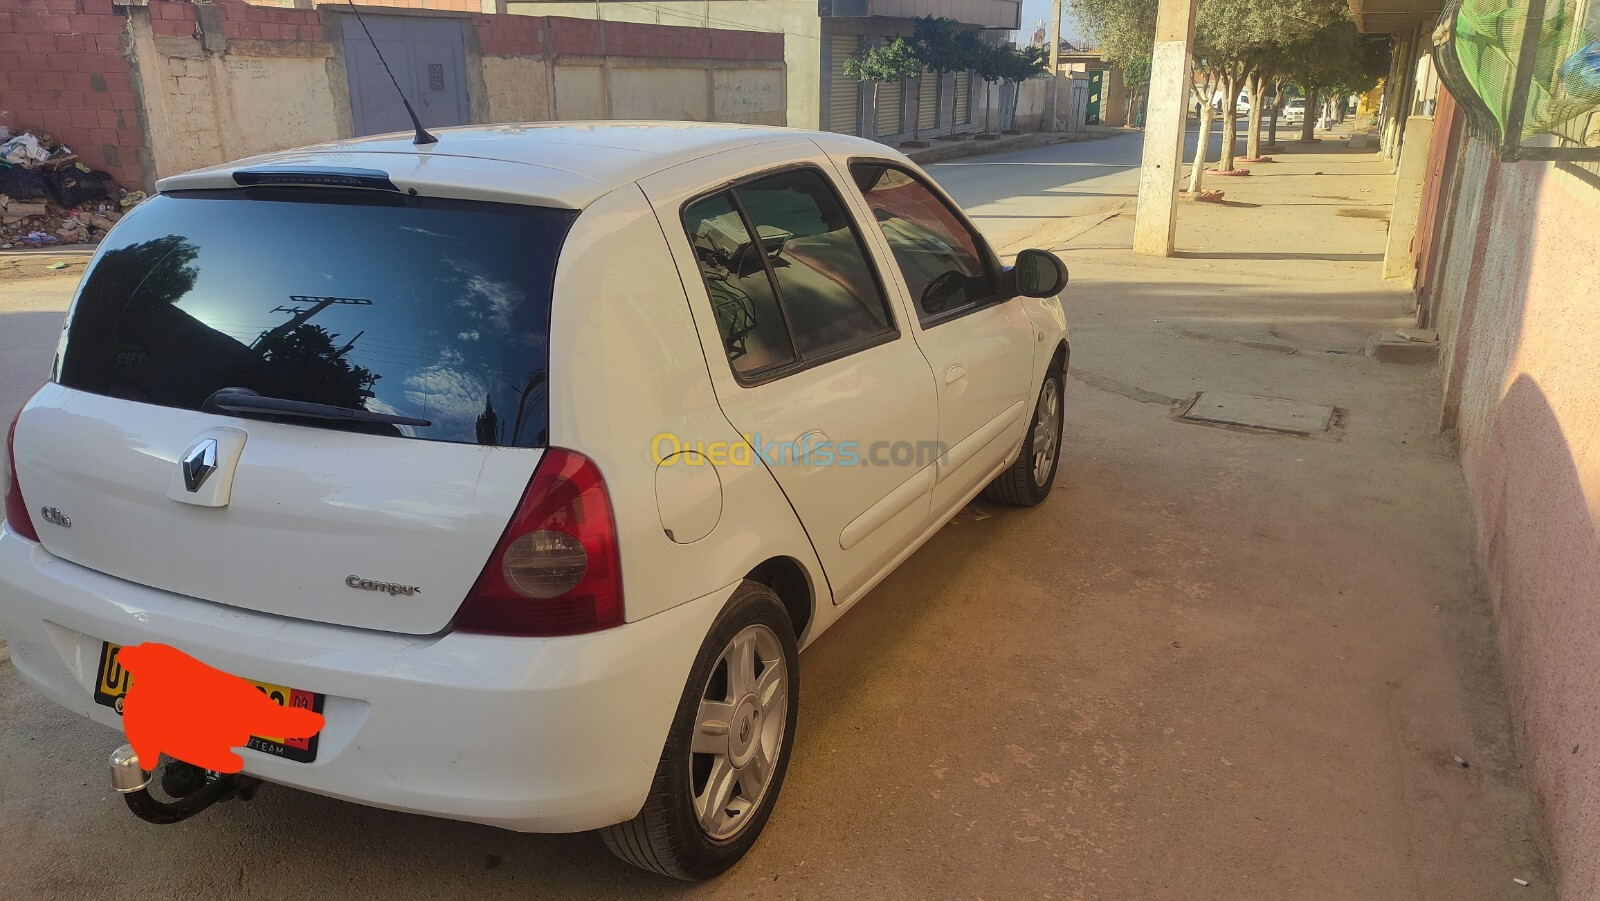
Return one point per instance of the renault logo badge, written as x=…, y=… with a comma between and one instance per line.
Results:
x=199, y=463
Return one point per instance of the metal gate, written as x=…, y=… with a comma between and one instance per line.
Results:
x=428, y=57
x=1097, y=91
x=928, y=101
x=888, y=113
x=844, y=93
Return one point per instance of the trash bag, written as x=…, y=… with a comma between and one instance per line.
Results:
x=24, y=150
x=72, y=187
x=21, y=184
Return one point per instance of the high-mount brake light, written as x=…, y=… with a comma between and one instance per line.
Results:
x=371, y=179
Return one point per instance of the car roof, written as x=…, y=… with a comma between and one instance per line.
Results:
x=558, y=164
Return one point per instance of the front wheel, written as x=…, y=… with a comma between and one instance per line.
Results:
x=728, y=749
x=1029, y=480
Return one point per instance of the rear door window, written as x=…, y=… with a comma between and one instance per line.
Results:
x=425, y=308
x=803, y=291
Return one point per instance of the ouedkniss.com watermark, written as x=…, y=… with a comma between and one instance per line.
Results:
x=668, y=449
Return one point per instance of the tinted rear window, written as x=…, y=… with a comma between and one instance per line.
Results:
x=427, y=308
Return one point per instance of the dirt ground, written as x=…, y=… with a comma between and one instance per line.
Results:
x=1217, y=663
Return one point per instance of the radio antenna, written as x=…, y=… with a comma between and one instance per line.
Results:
x=422, y=136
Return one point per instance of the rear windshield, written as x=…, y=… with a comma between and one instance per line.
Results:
x=425, y=308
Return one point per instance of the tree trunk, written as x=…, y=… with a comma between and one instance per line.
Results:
x=1230, y=122
x=1202, y=145
x=1258, y=93
x=874, y=122
x=988, y=105
x=1308, y=126
x=1277, y=104
x=1016, y=100
x=916, y=116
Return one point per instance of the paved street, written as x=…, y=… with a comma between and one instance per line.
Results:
x=1216, y=663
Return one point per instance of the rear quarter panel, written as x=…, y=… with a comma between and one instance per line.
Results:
x=626, y=368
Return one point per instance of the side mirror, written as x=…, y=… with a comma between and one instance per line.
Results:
x=1038, y=273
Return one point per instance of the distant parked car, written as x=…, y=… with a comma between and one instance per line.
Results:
x=1294, y=112
x=1243, y=106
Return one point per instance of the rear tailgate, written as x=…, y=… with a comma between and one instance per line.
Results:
x=428, y=318
x=357, y=530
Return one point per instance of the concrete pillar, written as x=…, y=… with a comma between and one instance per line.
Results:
x=1156, y=220
x=1410, y=173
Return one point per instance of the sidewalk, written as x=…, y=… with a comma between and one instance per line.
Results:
x=1279, y=641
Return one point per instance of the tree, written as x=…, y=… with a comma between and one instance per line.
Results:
x=1241, y=37
x=1135, y=84
x=1232, y=40
x=941, y=48
x=1336, y=58
x=891, y=61
x=988, y=63
x=1017, y=66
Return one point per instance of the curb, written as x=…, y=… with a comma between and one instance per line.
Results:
x=978, y=148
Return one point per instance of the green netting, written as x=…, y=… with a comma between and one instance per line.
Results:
x=1564, y=84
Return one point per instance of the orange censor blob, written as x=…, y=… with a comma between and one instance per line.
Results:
x=186, y=709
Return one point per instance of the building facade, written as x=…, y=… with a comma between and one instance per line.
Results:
x=819, y=37
x=1504, y=258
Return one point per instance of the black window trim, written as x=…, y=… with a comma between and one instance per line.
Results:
x=801, y=362
x=991, y=261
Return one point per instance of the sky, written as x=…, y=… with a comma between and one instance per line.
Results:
x=1035, y=10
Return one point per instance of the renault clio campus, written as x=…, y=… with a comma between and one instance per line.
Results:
x=530, y=458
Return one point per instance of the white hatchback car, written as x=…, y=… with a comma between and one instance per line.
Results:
x=530, y=458
x=1294, y=112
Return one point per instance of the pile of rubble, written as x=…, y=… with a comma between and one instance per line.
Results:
x=47, y=196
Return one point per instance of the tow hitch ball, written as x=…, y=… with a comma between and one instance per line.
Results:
x=191, y=788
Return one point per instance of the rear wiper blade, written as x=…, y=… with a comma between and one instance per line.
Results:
x=245, y=402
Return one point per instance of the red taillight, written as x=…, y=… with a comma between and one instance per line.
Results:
x=556, y=570
x=17, y=519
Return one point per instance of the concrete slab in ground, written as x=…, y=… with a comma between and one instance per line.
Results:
x=1273, y=414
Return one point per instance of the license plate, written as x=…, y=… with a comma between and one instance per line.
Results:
x=112, y=683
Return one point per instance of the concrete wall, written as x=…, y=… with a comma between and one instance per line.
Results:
x=62, y=71
x=1521, y=373
x=794, y=22
x=253, y=80
x=218, y=81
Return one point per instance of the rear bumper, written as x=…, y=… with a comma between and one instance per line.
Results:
x=535, y=735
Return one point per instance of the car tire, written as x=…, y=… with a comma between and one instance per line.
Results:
x=1029, y=479
x=679, y=832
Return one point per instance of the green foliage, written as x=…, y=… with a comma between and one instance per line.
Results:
x=1125, y=29
x=1228, y=33
x=1029, y=62
x=1335, y=58
x=1136, y=72
x=943, y=44
x=891, y=61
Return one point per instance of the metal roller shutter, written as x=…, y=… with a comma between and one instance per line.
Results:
x=889, y=96
x=843, y=92
x=963, y=113
x=928, y=101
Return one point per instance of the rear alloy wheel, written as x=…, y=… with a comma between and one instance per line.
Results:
x=726, y=755
x=1030, y=478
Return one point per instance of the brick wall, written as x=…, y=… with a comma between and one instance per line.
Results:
x=240, y=21
x=62, y=73
x=512, y=35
